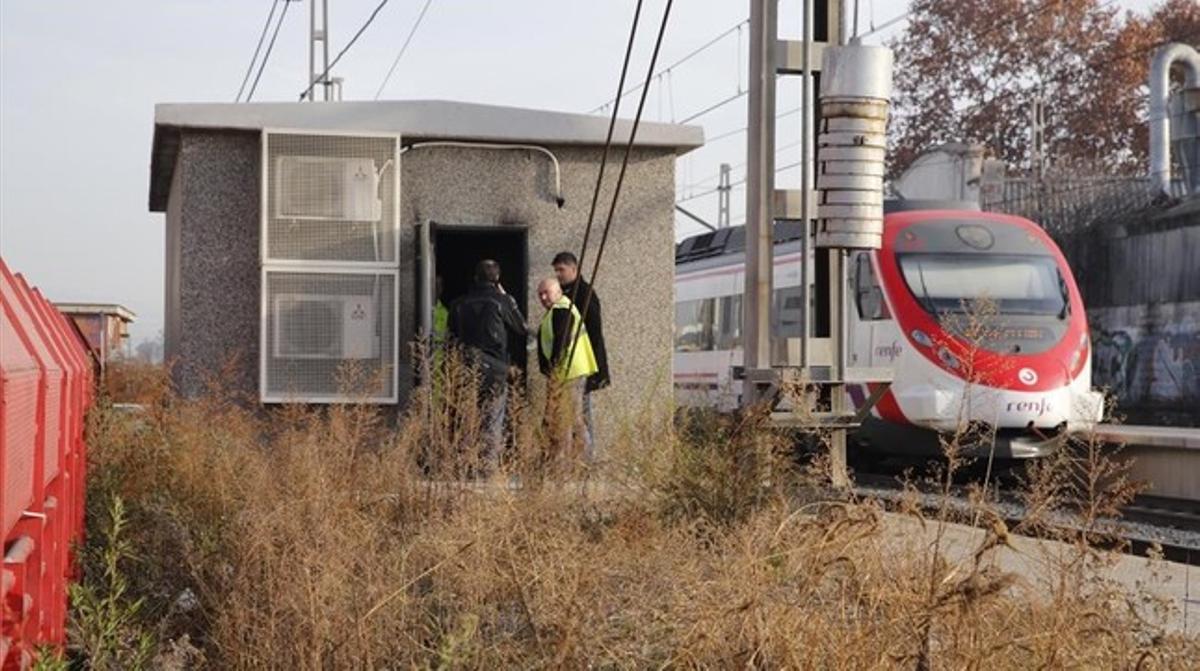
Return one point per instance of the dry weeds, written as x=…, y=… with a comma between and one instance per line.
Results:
x=337, y=538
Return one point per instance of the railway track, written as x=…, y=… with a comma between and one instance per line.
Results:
x=1149, y=525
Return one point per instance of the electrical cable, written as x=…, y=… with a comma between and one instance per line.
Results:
x=270, y=48
x=403, y=48
x=308, y=90
x=254, y=59
x=612, y=123
x=612, y=208
x=672, y=66
x=715, y=106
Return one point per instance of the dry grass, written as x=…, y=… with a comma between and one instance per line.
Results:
x=329, y=538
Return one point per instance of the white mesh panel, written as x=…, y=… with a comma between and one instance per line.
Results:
x=330, y=198
x=329, y=336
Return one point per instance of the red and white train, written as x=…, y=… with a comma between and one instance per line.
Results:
x=976, y=313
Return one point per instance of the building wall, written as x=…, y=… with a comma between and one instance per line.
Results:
x=218, y=263
x=1142, y=291
x=1148, y=356
x=171, y=274
x=476, y=187
x=216, y=201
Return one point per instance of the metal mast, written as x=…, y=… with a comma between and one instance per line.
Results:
x=724, y=187
x=813, y=361
x=318, y=74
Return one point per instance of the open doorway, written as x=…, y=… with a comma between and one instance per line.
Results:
x=455, y=250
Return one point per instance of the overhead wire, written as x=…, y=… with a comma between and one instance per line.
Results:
x=270, y=48
x=308, y=90
x=690, y=55
x=403, y=48
x=612, y=208
x=612, y=123
x=257, y=48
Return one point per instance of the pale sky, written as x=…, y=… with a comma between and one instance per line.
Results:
x=79, y=80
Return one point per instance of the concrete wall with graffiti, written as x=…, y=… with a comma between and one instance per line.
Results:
x=1148, y=357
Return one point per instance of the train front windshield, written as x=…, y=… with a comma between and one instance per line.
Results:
x=1017, y=284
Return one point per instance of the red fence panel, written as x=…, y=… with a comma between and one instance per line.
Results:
x=45, y=391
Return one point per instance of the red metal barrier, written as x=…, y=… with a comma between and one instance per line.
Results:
x=45, y=391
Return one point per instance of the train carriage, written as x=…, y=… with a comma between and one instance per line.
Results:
x=977, y=313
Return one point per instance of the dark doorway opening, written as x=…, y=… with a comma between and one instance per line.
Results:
x=456, y=251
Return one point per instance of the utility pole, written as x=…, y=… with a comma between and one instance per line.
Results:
x=723, y=189
x=849, y=216
x=1037, y=137
x=318, y=41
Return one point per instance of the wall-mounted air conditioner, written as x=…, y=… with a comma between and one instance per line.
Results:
x=315, y=326
x=327, y=188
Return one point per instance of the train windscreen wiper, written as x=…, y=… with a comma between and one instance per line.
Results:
x=1066, y=296
x=926, y=299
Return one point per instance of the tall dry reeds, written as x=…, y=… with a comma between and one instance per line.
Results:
x=339, y=537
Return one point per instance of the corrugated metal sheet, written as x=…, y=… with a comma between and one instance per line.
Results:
x=45, y=390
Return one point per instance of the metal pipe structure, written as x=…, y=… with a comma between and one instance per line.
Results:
x=1160, y=119
x=760, y=187
x=806, y=181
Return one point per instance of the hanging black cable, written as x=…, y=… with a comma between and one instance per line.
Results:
x=637, y=119
x=403, y=48
x=254, y=59
x=612, y=122
x=371, y=18
x=270, y=47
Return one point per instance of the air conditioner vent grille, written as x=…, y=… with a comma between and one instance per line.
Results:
x=330, y=198
x=329, y=336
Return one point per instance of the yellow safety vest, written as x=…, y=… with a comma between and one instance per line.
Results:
x=441, y=323
x=583, y=363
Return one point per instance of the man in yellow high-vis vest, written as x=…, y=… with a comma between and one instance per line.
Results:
x=566, y=358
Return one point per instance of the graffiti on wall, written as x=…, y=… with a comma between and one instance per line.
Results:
x=1148, y=366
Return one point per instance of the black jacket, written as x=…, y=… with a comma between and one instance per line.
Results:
x=592, y=323
x=485, y=320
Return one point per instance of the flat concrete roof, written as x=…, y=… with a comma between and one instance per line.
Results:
x=110, y=309
x=411, y=119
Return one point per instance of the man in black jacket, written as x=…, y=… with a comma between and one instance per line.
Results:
x=484, y=320
x=566, y=269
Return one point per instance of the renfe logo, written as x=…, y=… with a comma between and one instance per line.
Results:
x=1027, y=376
x=889, y=352
x=1040, y=406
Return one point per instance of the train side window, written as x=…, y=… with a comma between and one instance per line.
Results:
x=788, y=313
x=728, y=328
x=694, y=325
x=868, y=296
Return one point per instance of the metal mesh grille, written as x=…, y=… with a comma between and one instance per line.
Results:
x=330, y=198
x=329, y=336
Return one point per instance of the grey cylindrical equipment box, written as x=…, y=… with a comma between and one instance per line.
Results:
x=1184, y=108
x=856, y=87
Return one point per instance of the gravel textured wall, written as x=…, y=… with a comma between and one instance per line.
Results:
x=219, y=281
x=477, y=187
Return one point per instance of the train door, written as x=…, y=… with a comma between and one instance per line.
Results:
x=861, y=327
x=881, y=337
x=446, y=259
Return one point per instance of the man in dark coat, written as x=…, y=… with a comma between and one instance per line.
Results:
x=484, y=321
x=566, y=269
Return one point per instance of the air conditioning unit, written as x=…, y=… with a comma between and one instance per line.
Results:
x=315, y=326
x=327, y=188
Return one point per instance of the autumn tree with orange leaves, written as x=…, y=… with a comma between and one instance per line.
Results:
x=970, y=71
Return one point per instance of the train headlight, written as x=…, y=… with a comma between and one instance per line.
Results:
x=921, y=338
x=948, y=359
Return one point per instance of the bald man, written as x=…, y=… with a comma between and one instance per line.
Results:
x=566, y=358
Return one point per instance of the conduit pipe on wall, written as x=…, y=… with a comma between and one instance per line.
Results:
x=558, y=196
x=1160, y=121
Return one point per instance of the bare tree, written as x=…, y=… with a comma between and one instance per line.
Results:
x=971, y=71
